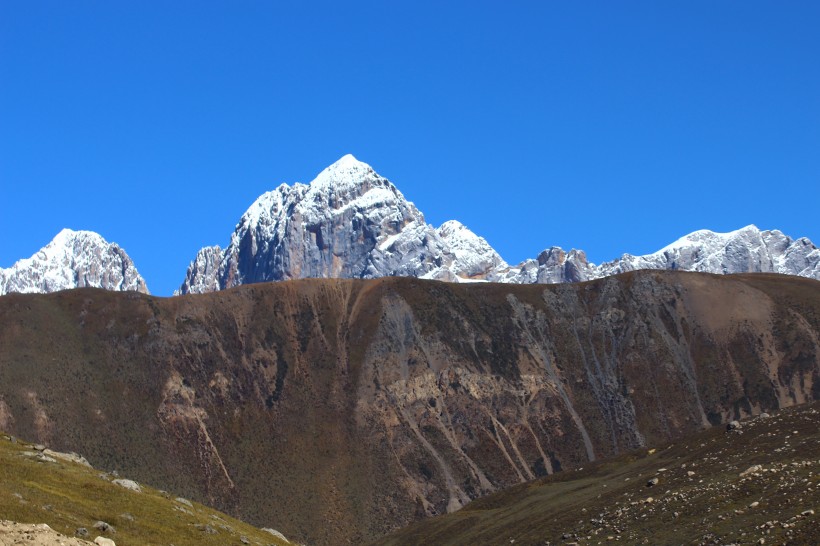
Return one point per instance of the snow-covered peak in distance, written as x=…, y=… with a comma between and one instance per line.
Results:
x=474, y=257
x=746, y=250
x=350, y=222
x=705, y=237
x=73, y=259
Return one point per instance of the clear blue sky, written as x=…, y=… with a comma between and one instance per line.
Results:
x=607, y=126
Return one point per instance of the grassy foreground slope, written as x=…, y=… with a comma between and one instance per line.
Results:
x=42, y=487
x=759, y=482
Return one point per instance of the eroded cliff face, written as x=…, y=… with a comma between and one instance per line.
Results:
x=338, y=410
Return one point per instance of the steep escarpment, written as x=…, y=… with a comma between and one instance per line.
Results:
x=337, y=410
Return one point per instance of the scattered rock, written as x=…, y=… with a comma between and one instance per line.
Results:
x=104, y=527
x=186, y=502
x=41, y=534
x=244, y=540
x=81, y=532
x=128, y=484
x=41, y=458
x=275, y=533
x=39, y=447
x=751, y=470
x=733, y=425
x=653, y=482
x=102, y=541
x=71, y=457
x=755, y=504
x=207, y=529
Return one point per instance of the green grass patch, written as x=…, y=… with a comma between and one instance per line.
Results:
x=68, y=495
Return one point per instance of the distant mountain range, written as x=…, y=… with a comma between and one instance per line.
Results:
x=350, y=222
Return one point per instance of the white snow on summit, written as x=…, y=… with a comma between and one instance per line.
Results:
x=474, y=257
x=350, y=222
x=746, y=250
x=73, y=259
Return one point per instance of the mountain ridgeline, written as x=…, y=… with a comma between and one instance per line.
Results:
x=352, y=223
x=339, y=410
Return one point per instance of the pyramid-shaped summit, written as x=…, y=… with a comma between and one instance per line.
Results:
x=73, y=259
x=344, y=173
x=349, y=222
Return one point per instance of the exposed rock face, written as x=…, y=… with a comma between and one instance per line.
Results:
x=347, y=223
x=204, y=272
x=73, y=259
x=339, y=410
x=553, y=265
x=352, y=223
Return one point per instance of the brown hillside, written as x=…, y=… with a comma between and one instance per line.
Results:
x=338, y=410
x=756, y=484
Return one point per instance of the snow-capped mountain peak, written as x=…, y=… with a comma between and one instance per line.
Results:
x=348, y=222
x=345, y=173
x=748, y=249
x=705, y=237
x=351, y=222
x=474, y=257
x=73, y=259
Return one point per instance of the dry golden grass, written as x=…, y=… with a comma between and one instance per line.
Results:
x=68, y=495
